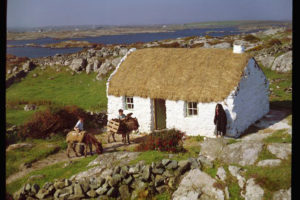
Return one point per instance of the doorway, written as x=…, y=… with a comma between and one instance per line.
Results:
x=159, y=114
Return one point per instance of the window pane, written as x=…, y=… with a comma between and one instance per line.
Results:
x=195, y=112
x=194, y=105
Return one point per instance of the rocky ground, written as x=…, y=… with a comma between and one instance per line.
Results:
x=111, y=176
x=271, y=48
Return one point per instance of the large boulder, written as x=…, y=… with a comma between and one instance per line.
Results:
x=266, y=60
x=282, y=195
x=223, y=45
x=116, y=61
x=269, y=163
x=29, y=107
x=29, y=65
x=96, y=65
x=253, y=191
x=242, y=153
x=281, y=151
x=211, y=148
x=123, y=51
x=88, y=68
x=283, y=63
x=78, y=64
x=195, y=184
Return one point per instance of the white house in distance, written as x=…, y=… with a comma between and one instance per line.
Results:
x=180, y=87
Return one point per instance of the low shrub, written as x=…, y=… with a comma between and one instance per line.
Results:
x=274, y=42
x=169, y=140
x=257, y=48
x=208, y=37
x=197, y=45
x=52, y=120
x=251, y=38
x=170, y=45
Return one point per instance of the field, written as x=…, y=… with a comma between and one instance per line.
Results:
x=51, y=87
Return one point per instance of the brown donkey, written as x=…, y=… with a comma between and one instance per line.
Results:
x=88, y=139
x=126, y=127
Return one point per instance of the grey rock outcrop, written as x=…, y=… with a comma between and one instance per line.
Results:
x=269, y=163
x=282, y=195
x=78, y=64
x=195, y=184
x=283, y=63
x=281, y=151
x=253, y=191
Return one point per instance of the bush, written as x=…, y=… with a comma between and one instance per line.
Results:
x=52, y=120
x=169, y=140
x=251, y=38
x=274, y=42
x=170, y=45
x=256, y=48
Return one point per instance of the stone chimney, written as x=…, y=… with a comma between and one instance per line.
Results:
x=238, y=48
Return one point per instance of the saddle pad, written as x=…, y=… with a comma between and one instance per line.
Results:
x=74, y=136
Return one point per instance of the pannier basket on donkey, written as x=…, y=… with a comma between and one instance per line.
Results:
x=115, y=126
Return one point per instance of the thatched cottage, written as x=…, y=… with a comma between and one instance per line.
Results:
x=179, y=88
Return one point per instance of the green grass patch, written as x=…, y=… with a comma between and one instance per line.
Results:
x=40, y=150
x=290, y=119
x=279, y=136
x=197, y=138
x=232, y=141
x=265, y=154
x=279, y=82
x=52, y=172
x=163, y=196
x=18, y=115
x=61, y=88
x=149, y=157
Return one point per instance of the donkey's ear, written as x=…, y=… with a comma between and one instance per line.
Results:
x=129, y=115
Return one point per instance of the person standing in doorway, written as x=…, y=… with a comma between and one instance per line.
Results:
x=220, y=121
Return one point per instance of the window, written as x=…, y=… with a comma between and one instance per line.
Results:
x=191, y=109
x=129, y=103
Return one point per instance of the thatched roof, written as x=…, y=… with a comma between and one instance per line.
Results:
x=197, y=74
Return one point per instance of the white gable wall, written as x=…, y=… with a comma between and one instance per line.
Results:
x=251, y=102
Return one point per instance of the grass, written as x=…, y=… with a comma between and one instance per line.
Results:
x=163, y=196
x=192, y=150
x=52, y=172
x=40, y=150
x=290, y=120
x=265, y=154
x=279, y=98
x=279, y=136
x=62, y=88
x=17, y=115
x=149, y=157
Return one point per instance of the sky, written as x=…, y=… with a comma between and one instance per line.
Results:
x=36, y=13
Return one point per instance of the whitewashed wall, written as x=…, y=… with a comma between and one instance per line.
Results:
x=201, y=124
x=251, y=102
x=142, y=111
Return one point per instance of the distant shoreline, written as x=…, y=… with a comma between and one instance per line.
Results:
x=120, y=30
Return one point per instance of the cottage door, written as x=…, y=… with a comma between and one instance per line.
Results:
x=160, y=113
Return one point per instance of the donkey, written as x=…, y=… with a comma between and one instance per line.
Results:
x=88, y=139
x=126, y=127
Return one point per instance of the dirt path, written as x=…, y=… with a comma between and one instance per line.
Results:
x=62, y=156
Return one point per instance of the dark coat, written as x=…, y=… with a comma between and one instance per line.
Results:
x=220, y=120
